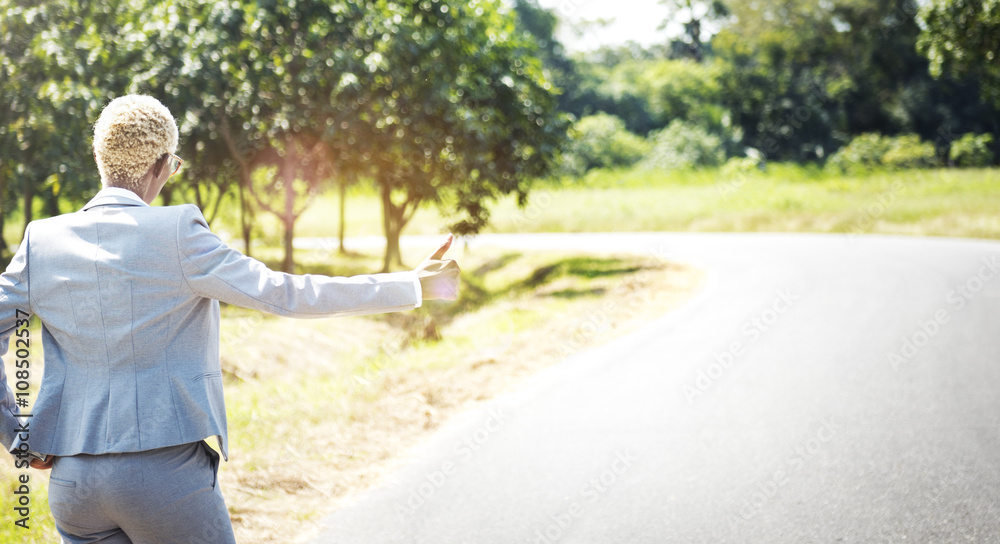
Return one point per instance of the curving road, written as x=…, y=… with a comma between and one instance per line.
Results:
x=820, y=389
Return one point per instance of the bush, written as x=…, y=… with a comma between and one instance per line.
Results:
x=872, y=151
x=972, y=151
x=908, y=151
x=601, y=141
x=863, y=153
x=682, y=146
x=740, y=167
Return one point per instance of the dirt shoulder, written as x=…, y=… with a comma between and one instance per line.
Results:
x=320, y=410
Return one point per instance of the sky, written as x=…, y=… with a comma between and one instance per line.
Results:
x=635, y=20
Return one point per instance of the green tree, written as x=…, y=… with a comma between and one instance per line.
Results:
x=601, y=141
x=962, y=37
x=61, y=61
x=682, y=145
x=20, y=80
x=671, y=89
x=459, y=111
x=695, y=16
x=540, y=25
x=800, y=89
x=265, y=109
x=972, y=151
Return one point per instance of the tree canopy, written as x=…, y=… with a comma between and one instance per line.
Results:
x=439, y=101
x=798, y=79
x=962, y=38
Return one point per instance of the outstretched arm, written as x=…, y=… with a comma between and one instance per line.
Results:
x=214, y=270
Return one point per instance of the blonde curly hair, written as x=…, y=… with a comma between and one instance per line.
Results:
x=132, y=132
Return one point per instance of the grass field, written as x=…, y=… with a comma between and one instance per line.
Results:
x=941, y=202
x=785, y=198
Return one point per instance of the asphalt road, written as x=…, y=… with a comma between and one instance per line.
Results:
x=820, y=389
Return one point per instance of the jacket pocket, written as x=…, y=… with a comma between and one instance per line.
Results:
x=60, y=482
x=207, y=376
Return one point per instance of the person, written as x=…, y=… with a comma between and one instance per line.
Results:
x=128, y=299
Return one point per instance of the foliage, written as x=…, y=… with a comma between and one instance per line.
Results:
x=648, y=92
x=443, y=102
x=668, y=89
x=683, y=145
x=600, y=88
x=601, y=141
x=680, y=89
x=962, y=37
x=257, y=86
x=872, y=151
x=863, y=153
x=741, y=167
x=907, y=151
x=458, y=103
x=471, y=118
x=539, y=25
x=55, y=77
x=972, y=151
x=833, y=70
x=692, y=43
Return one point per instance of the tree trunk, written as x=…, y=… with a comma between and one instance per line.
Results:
x=244, y=220
x=167, y=195
x=288, y=217
x=28, y=203
x=227, y=137
x=392, y=222
x=51, y=204
x=392, y=255
x=288, y=265
x=197, y=198
x=342, y=227
x=3, y=241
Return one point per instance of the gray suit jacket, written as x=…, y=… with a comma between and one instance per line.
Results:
x=127, y=295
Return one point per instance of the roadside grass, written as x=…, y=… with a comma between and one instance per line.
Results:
x=320, y=408
x=785, y=198
x=40, y=527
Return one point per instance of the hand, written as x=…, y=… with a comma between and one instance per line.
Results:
x=43, y=465
x=438, y=277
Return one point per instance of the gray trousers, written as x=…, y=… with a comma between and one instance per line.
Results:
x=168, y=495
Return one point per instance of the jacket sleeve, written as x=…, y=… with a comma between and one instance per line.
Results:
x=214, y=270
x=14, y=313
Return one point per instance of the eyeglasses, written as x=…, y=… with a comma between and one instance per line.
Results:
x=174, y=163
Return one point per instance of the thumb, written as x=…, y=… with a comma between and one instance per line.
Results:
x=443, y=249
